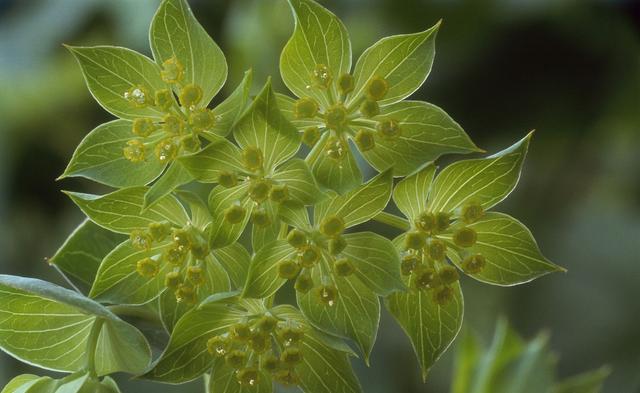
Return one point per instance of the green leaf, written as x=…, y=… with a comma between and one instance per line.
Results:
x=219, y=155
x=50, y=327
x=229, y=111
x=410, y=194
x=360, y=204
x=324, y=369
x=511, y=253
x=589, y=382
x=338, y=175
x=404, y=61
x=121, y=211
x=111, y=71
x=319, y=38
x=296, y=175
x=175, y=32
x=118, y=281
x=199, y=211
x=223, y=380
x=260, y=236
x=294, y=214
x=21, y=383
x=263, y=126
x=186, y=356
x=431, y=328
x=466, y=356
x=427, y=132
x=222, y=233
x=235, y=259
x=175, y=176
x=486, y=181
x=532, y=372
x=355, y=313
x=263, y=279
x=80, y=255
x=99, y=157
x=376, y=261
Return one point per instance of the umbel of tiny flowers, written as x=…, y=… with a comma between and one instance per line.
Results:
x=335, y=106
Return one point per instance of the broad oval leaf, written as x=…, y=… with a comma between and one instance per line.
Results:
x=410, y=194
x=221, y=232
x=486, y=181
x=295, y=215
x=338, y=175
x=112, y=71
x=219, y=155
x=121, y=211
x=176, y=33
x=99, y=157
x=299, y=181
x=319, y=38
x=175, y=176
x=235, y=259
x=50, y=326
x=263, y=279
x=404, y=61
x=511, y=253
x=229, y=110
x=427, y=132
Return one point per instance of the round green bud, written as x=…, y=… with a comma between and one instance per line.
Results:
x=195, y=274
x=332, y=226
x=310, y=136
x=305, y=108
x=143, y=127
x=138, y=96
x=174, y=255
x=172, y=280
x=309, y=255
x=186, y=294
x=164, y=99
x=376, y=89
x=134, y=151
x=290, y=335
x=337, y=245
x=297, y=238
x=248, y=376
x=252, y=158
x=234, y=214
x=172, y=125
x=291, y=357
x=141, y=239
x=415, y=240
x=288, y=269
x=473, y=264
x=260, y=342
x=443, y=220
x=172, y=70
x=336, y=148
x=218, y=346
x=345, y=84
x=437, y=249
x=259, y=190
x=365, y=140
x=235, y=359
x=287, y=377
x=304, y=282
x=148, y=268
x=389, y=129
x=369, y=109
x=443, y=295
x=166, y=150
x=266, y=323
x=409, y=264
x=472, y=212
x=321, y=76
x=159, y=230
x=336, y=117
x=425, y=222
x=227, y=179
x=448, y=275
x=465, y=237
x=240, y=331
x=202, y=119
x=343, y=267
x=260, y=218
x=190, y=95
x=279, y=193
x=423, y=277
x=269, y=362
x=327, y=294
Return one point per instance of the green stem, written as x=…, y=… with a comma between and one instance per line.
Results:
x=92, y=346
x=393, y=220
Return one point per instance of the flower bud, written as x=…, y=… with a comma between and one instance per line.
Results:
x=138, y=96
x=186, y=294
x=297, y=238
x=443, y=220
x=174, y=255
x=134, y=151
x=291, y=357
x=304, y=282
x=309, y=255
x=172, y=125
x=266, y=323
x=143, y=127
x=248, y=376
x=199, y=245
x=172, y=280
x=465, y=237
x=336, y=148
x=234, y=214
x=332, y=226
x=260, y=342
x=389, y=129
x=310, y=136
x=305, y=108
x=181, y=239
x=369, y=109
x=343, y=267
x=423, y=277
x=218, y=346
x=443, y=295
x=415, y=240
x=288, y=269
x=235, y=359
x=448, y=275
x=202, y=119
x=141, y=239
x=260, y=218
x=240, y=331
x=166, y=150
x=437, y=249
x=376, y=88
x=190, y=95
x=195, y=274
x=227, y=179
x=172, y=70
x=425, y=222
x=252, y=158
x=337, y=245
x=471, y=212
x=147, y=267
x=365, y=140
x=287, y=377
x=164, y=99
x=473, y=264
x=345, y=84
x=336, y=117
x=290, y=335
x=279, y=193
x=269, y=362
x=321, y=76
x=327, y=294
x=159, y=230
x=408, y=264
x=259, y=190
x=190, y=143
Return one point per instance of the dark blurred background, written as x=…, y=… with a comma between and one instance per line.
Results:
x=569, y=69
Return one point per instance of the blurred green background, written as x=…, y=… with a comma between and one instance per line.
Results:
x=569, y=69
